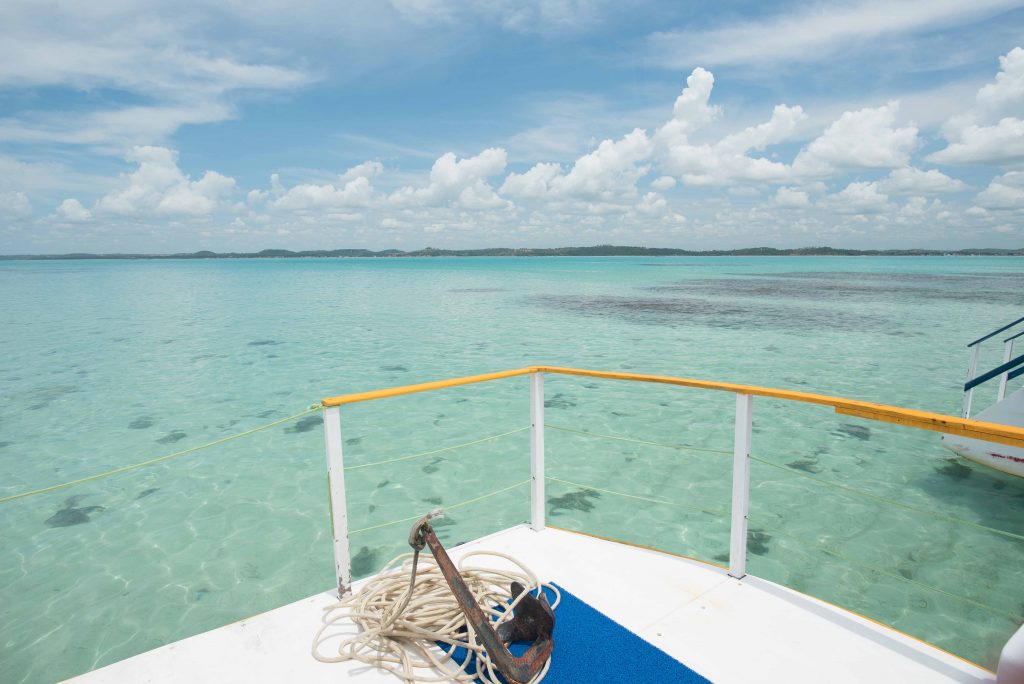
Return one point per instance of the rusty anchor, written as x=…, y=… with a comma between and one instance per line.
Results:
x=532, y=620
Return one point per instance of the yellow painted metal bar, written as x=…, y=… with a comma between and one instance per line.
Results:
x=923, y=420
x=699, y=384
x=343, y=399
x=976, y=429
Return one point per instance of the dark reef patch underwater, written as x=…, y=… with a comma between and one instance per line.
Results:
x=787, y=301
x=580, y=500
x=861, y=432
x=307, y=424
x=739, y=315
x=365, y=561
x=172, y=437
x=559, y=401
x=880, y=287
x=73, y=514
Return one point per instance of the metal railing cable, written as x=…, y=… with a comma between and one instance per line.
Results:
x=449, y=507
x=602, y=490
x=158, y=459
x=663, y=502
x=680, y=447
x=891, y=502
x=435, y=451
x=885, y=571
x=229, y=438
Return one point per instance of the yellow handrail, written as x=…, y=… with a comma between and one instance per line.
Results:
x=923, y=420
x=343, y=399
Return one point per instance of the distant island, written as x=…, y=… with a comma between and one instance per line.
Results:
x=599, y=250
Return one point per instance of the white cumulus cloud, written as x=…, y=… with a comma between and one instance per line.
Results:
x=791, y=198
x=727, y=161
x=778, y=129
x=532, y=184
x=462, y=182
x=367, y=169
x=913, y=181
x=1004, y=192
x=914, y=207
x=159, y=187
x=663, y=183
x=72, y=210
x=864, y=139
x=356, y=192
x=604, y=177
x=992, y=131
x=353, y=189
x=858, y=198
x=14, y=205
x=997, y=144
x=610, y=171
x=691, y=109
x=652, y=203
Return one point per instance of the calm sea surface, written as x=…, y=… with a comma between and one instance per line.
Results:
x=108, y=363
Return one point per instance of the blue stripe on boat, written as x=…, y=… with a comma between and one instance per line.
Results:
x=591, y=647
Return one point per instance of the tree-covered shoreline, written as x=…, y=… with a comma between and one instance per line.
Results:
x=598, y=250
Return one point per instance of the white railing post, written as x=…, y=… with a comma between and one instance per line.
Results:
x=740, y=487
x=972, y=369
x=336, y=495
x=1005, y=377
x=537, y=501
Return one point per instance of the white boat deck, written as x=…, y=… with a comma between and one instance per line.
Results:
x=728, y=630
x=1009, y=411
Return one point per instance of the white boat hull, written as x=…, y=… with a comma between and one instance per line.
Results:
x=1008, y=459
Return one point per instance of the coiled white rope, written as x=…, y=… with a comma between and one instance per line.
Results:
x=404, y=612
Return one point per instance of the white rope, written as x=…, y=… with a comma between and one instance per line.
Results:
x=406, y=610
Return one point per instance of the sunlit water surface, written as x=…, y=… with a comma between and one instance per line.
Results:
x=108, y=363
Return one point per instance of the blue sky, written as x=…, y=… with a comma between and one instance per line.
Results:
x=174, y=126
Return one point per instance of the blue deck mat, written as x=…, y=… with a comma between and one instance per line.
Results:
x=591, y=647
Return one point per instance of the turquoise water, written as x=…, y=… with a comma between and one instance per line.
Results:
x=106, y=363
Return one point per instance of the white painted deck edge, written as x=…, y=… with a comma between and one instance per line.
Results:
x=729, y=630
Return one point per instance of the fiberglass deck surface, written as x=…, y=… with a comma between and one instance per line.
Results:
x=727, y=630
x=1010, y=411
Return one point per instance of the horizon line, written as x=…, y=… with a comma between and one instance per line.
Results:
x=593, y=250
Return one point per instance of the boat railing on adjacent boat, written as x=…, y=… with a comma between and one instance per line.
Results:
x=740, y=536
x=1008, y=370
x=1007, y=375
